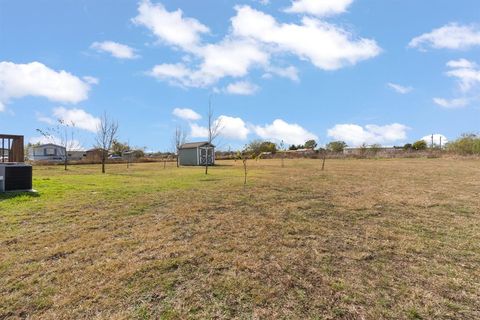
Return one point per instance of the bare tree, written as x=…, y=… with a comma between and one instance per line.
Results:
x=244, y=156
x=178, y=139
x=106, y=133
x=324, y=156
x=62, y=134
x=282, y=147
x=214, y=128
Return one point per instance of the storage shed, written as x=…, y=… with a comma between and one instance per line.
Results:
x=196, y=154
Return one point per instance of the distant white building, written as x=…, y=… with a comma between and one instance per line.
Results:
x=77, y=155
x=47, y=152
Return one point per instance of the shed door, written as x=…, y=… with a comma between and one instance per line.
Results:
x=206, y=156
x=203, y=156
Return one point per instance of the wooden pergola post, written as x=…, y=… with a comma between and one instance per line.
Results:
x=14, y=145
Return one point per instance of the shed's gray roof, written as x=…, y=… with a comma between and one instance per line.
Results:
x=193, y=145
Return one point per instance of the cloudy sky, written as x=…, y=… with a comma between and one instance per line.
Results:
x=362, y=71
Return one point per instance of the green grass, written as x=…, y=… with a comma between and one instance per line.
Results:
x=365, y=239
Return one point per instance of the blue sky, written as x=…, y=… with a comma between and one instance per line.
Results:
x=363, y=71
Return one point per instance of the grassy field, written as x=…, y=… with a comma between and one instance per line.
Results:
x=365, y=239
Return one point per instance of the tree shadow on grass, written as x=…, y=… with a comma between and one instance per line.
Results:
x=17, y=194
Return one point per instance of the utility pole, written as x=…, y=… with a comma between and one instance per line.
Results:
x=432, y=142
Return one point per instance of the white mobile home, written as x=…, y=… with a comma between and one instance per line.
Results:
x=47, y=152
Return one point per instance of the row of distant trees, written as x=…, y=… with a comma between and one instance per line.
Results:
x=107, y=141
x=467, y=144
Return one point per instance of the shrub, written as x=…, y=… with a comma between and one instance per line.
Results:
x=336, y=146
x=466, y=144
x=420, y=145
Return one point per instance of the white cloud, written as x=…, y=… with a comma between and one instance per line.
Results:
x=244, y=88
x=36, y=79
x=117, y=50
x=466, y=72
x=233, y=58
x=45, y=119
x=197, y=131
x=174, y=73
x=186, y=114
x=280, y=130
x=77, y=117
x=438, y=139
x=91, y=80
x=170, y=27
x=288, y=72
x=233, y=128
x=319, y=8
x=467, y=75
x=399, y=88
x=254, y=39
x=327, y=46
x=450, y=36
x=226, y=59
x=229, y=127
x=461, y=63
x=44, y=140
x=451, y=103
x=73, y=145
x=356, y=135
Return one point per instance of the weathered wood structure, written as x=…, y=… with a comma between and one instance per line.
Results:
x=14, y=174
x=12, y=148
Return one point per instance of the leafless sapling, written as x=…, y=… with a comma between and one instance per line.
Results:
x=213, y=131
x=62, y=134
x=244, y=156
x=106, y=133
x=178, y=139
x=324, y=156
x=282, y=149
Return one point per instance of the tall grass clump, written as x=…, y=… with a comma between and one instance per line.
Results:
x=467, y=144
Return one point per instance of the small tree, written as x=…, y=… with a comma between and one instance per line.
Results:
x=244, y=156
x=420, y=145
x=294, y=147
x=268, y=146
x=178, y=139
x=468, y=143
x=258, y=146
x=213, y=129
x=282, y=148
x=336, y=146
x=106, y=133
x=118, y=148
x=375, y=148
x=63, y=134
x=311, y=144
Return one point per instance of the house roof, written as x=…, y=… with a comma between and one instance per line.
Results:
x=49, y=145
x=194, y=145
x=95, y=150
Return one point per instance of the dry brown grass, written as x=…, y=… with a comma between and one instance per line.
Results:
x=365, y=239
